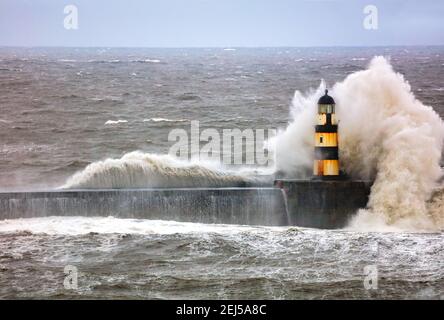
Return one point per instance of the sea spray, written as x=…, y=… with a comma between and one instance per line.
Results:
x=143, y=170
x=385, y=135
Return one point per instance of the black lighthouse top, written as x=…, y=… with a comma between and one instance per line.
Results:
x=326, y=99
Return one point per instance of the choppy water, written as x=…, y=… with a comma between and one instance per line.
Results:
x=163, y=260
x=64, y=108
x=55, y=103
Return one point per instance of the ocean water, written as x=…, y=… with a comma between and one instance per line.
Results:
x=56, y=103
x=62, y=109
x=147, y=259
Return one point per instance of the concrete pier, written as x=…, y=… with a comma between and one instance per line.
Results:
x=324, y=204
x=252, y=206
x=305, y=203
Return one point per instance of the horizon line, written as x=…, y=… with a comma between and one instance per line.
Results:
x=224, y=47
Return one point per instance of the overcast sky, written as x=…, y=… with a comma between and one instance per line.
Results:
x=221, y=23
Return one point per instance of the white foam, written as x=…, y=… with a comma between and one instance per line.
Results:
x=144, y=170
x=164, y=120
x=385, y=134
x=147, y=60
x=111, y=122
x=105, y=225
x=152, y=60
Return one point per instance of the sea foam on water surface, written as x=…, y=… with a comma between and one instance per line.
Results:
x=111, y=122
x=164, y=120
x=105, y=225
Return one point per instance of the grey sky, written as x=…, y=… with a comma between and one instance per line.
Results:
x=206, y=23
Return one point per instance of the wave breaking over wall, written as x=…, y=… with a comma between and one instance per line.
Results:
x=386, y=135
x=143, y=170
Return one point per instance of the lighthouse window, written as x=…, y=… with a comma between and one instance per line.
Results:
x=326, y=108
x=329, y=108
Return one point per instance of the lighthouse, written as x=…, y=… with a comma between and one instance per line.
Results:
x=329, y=199
x=326, y=152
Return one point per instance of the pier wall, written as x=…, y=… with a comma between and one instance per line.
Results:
x=305, y=203
x=253, y=206
x=324, y=204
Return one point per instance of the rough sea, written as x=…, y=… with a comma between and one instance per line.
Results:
x=64, y=108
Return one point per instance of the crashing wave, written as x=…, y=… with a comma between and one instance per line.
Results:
x=144, y=170
x=386, y=135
